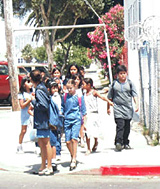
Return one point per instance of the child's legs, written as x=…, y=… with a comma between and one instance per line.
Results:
x=58, y=143
x=70, y=147
x=126, y=132
x=119, y=130
x=68, y=129
x=74, y=136
x=53, y=140
x=88, y=143
x=95, y=142
x=53, y=152
x=23, y=132
x=46, y=152
x=74, y=148
x=43, y=154
x=82, y=132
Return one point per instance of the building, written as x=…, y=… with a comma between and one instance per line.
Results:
x=142, y=33
x=21, y=39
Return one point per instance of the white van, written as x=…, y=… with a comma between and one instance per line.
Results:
x=32, y=66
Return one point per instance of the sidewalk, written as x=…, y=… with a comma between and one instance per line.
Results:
x=101, y=162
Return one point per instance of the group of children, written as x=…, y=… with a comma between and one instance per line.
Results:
x=76, y=99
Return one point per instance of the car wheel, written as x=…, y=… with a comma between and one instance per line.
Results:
x=10, y=100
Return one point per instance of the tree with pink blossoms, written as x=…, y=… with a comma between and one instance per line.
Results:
x=114, y=23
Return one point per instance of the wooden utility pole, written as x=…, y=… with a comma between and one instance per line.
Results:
x=13, y=77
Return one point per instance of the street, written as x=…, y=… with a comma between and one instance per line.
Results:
x=19, y=180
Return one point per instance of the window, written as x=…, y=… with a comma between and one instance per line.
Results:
x=3, y=70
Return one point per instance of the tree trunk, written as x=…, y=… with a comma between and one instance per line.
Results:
x=48, y=50
x=45, y=17
x=13, y=78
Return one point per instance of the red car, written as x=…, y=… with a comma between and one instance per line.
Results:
x=5, y=93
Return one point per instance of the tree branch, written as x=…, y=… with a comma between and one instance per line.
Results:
x=68, y=34
x=49, y=9
x=58, y=21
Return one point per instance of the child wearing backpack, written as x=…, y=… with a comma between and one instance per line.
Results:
x=55, y=135
x=121, y=93
x=79, y=91
x=72, y=111
x=92, y=124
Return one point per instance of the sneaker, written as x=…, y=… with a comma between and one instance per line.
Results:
x=54, y=166
x=20, y=149
x=46, y=171
x=118, y=147
x=49, y=171
x=127, y=147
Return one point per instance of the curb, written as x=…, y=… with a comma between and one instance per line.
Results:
x=130, y=170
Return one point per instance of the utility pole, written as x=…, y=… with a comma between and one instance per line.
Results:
x=13, y=78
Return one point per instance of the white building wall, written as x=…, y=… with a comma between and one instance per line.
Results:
x=150, y=8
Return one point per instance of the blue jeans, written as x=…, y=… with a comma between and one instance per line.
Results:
x=55, y=140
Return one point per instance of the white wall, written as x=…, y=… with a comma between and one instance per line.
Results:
x=133, y=68
x=150, y=8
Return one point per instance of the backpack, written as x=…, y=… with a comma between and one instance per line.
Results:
x=130, y=84
x=80, y=104
x=79, y=100
x=55, y=118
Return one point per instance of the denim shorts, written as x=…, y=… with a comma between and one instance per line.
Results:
x=43, y=133
x=72, y=130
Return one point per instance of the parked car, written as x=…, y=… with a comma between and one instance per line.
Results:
x=5, y=93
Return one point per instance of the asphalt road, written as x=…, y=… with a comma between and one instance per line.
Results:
x=17, y=181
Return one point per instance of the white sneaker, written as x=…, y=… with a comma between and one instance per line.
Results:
x=20, y=149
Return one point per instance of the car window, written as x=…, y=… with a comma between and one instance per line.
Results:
x=3, y=70
x=22, y=71
x=29, y=69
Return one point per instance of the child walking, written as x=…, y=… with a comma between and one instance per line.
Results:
x=78, y=80
x=121, y=92
x=72, y=119
x=55, y=135
x=92, y=125
x=25, y=98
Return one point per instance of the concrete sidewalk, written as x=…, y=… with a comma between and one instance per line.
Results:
x=106, y=157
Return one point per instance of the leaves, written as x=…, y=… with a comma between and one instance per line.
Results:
x=114, y=20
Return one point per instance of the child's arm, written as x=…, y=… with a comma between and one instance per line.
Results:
x=108, y=108
x=23, y=103
x=97, y=94
x=136, y=101
x=30, y=110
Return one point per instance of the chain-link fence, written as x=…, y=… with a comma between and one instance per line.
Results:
x=148, y=46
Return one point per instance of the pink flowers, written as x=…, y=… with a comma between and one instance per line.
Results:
x=114, y=20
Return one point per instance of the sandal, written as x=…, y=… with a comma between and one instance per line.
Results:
x=88, y=152
x=72, y=165
x=95, y=147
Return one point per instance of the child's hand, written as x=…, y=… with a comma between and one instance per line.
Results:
x=136, y=108
x=108, y=111
x=110, y=103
